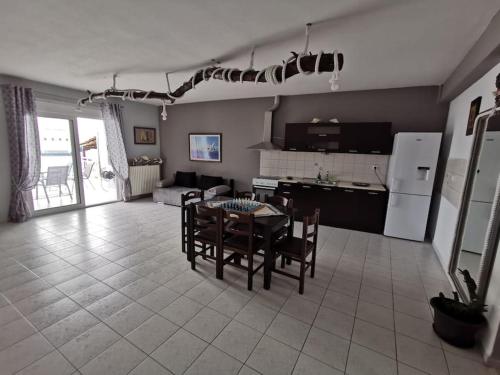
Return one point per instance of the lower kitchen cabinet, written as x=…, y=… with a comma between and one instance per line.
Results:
x=372, y=210
x=356, y=209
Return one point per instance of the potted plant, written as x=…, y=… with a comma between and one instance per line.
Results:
x=456, y=322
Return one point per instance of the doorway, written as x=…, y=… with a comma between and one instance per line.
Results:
x=75, y=167
x=98, y=178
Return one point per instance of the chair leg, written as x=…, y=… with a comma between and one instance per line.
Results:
x=69, y=191
x=288, y=261
x=191, y=255
x=313, y=264
x=282, y=261
x=183, y=240
x=302, y=276
x=204, y=251
x=46, y=194
x=219, y=262
x=212, y=251
x=250, y=271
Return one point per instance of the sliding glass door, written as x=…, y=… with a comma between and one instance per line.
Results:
x=98, y=179
x=75, y=168
x=58, y=184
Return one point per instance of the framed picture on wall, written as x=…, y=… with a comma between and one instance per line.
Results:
x=205, y=147
x=144, y=136
x=475, y=106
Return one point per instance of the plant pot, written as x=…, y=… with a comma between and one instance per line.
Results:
x=455, y=331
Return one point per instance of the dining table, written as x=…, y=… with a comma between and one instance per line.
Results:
x=267, y=226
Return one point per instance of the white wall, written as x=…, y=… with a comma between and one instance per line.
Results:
x=134, y=114
x=447, y=216
x=460, y=148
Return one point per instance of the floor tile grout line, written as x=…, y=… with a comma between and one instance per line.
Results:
x=41, y=334
x=350, y=255
x=316, y=315
x=101, y=321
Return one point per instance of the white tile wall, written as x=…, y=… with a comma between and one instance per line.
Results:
x=346, y=167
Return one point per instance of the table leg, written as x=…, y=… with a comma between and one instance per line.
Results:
x=268, y=258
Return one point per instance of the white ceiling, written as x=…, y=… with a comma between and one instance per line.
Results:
x=386, y=43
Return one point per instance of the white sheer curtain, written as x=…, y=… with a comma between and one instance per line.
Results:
x=112, y=117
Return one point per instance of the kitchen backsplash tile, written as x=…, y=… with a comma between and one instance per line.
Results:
x=346, y=167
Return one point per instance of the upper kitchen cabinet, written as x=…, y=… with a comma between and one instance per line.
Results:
x=366, y=138
x=296, y=137
x=360, y=138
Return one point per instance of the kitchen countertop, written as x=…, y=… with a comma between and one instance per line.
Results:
x=340, y=184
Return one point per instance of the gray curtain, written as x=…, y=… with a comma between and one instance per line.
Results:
x=24, y=146
x=112, y=117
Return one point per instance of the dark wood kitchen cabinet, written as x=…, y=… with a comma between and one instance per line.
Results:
x=296, y=137
x=372, y=209
x=356, y=209
x=366, y=138
x=359, y=138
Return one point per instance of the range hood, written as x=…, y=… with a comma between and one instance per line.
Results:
x=266, y=143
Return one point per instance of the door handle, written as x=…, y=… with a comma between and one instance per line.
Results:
x=348, y=191
x=306, y=187
x=328, y=189
x=292, y=149
x=372, y=193
x=376, y=152
x=353, y=150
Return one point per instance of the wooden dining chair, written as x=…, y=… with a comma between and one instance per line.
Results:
x=298, y=249
x=246, y=195
x=241, y=241
x=285, y=205
x=185, y=199
x=205, y=233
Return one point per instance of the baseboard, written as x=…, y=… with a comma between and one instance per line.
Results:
x=140, y=196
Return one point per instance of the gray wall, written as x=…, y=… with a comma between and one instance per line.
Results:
x=409, y=109
x=143, y=115
x=135, y=114
x=241, y=122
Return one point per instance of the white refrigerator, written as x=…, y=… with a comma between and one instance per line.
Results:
x=410, y=179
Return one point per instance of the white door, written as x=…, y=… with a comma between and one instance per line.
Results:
x=407, y=216
x=413, y=163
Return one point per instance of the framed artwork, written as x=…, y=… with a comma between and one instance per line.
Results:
x=205, y=147
x=475, y=105
x=144, y=136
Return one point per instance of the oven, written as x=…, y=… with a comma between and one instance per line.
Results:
x=264, y=186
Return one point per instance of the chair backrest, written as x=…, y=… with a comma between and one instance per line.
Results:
x=240, y=225
x=285, y=205
x=246, y=195
x=190, y=195
x=310, y=230
x=87, y=168
x=203, y=218
x=57, y=175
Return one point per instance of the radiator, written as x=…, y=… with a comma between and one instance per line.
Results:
x=143, y=178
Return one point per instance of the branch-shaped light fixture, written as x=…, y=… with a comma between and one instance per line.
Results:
x=299, y=63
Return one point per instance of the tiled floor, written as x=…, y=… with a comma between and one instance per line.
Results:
x=107, y=290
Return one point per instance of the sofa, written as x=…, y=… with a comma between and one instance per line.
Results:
x=170, y=192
